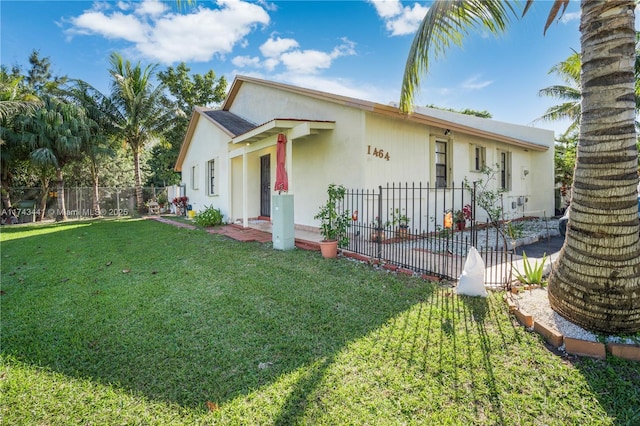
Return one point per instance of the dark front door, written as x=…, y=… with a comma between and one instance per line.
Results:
x=265, y=185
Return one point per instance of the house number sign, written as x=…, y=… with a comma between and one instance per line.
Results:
x=377, y=152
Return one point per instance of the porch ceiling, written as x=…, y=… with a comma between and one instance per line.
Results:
x=282, y=125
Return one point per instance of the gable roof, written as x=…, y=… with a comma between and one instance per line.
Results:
x=234, y=124
x=527, y=137
x=226, y=121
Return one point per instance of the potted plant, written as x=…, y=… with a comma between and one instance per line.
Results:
x=402, y=220
x=333, y=222
x=377, y=234
x=460, y=217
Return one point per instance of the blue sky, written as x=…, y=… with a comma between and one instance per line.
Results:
x=353, y=48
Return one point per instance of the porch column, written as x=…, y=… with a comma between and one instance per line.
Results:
x=245, y=190
x=289, y=163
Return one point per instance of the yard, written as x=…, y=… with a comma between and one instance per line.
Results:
x=138, y=322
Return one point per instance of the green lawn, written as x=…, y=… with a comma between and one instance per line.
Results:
x=138, y=322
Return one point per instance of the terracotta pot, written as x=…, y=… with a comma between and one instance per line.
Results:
x=329, y=249
x=402, y=231
x=377, y=236
x=461, y=225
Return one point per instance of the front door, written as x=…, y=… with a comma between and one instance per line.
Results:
x=265, y=185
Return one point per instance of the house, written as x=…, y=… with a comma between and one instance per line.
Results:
x=228, y=156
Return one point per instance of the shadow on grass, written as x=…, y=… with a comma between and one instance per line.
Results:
x=184, y=316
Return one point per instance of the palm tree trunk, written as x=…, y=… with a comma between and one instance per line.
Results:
x=138, y=180
x=95, y=205
x=601, y=291
x=44, y=184
x=61, y=214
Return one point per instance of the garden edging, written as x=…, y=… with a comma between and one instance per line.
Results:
x=572, y=345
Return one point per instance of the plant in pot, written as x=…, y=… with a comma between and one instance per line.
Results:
x=333, y=222
x=377, y=230
x=402, y=220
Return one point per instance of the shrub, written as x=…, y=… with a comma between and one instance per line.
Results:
x=209, y=217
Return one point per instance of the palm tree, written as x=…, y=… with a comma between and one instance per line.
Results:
x=596, y=282
x=55, y=133
x=15, y=99
x=141, y=116
x=569, y=71
x=101, y=115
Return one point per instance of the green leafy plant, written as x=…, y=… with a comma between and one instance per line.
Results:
x=333, y=222
x=209, y=217
x=399, y=218
x=532, y=273
x=515, y=230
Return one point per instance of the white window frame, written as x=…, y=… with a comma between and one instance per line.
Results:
x=478, y=157
x=194, y=177
x=505, y=171
x=212, y=176
x=448, y=154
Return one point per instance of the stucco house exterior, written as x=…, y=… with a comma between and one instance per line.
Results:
x=228, y=156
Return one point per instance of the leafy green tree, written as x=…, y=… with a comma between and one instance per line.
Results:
x=467, y=111
x=141, y=115
x=15, y=99
x=98, y=147
x=55, y=133
x=595, y=282
x=185, y=92
x=39, y=77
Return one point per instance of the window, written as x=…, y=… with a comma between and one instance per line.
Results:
x=441, y=157
x=478, y=156
x=194, y=177
x=504, y=163
x=212, y=177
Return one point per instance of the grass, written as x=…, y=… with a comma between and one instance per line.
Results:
x=137, y=322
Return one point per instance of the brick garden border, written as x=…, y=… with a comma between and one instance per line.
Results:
x=573, y=346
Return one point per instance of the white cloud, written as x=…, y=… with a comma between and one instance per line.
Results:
x=286, y=52
x=246, y=61
x=273, y=48
x=115, y=26
x=400, y=20
x=151, y=8
x=306, y=61
x=473, y=83
x=568, y=17
x=169, y=37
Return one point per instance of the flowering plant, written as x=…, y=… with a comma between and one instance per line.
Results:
x=467, y=212
x=181, y=204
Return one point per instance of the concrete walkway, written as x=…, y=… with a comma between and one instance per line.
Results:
x=259, y=231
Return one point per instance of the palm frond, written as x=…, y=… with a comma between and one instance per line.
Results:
x=446, y=23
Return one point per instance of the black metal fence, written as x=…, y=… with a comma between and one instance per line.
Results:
x=31, y=204
x=425, y=229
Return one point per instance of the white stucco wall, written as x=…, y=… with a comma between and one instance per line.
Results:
x=208, y=143
x=345, y=155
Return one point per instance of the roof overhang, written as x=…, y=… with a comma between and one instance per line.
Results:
x=295, y=129
x=394, y=112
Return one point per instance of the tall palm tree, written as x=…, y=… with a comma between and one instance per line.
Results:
x=55, y=133
x=101, y=115
x=596, y=282
x=141, y=116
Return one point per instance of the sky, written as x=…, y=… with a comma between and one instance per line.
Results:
x=352, y=48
